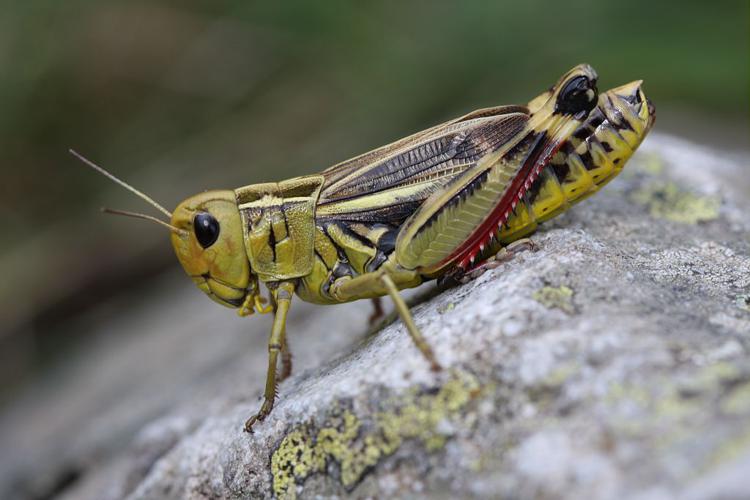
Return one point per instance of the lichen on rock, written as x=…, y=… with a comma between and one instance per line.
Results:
x=668, y=201
x=351, y=445
x=556, y=297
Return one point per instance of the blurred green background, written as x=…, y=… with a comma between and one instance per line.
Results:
x=181, y=96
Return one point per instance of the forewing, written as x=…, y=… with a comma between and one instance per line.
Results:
x=388, y=184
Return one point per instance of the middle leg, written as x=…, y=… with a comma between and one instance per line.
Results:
x=377, y=312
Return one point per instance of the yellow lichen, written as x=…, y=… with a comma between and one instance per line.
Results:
x=665, y=200
x=559, y=298
x=743, y=301
x=737, y=401
x=717, y=373
x=729, y=450
x=357, y=444
x=560, y=375
x=446, y=308
x=295, y=458
x=679, y=404
x=649, y=164
x=652, y=164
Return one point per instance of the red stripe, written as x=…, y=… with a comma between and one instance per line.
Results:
x=541, y=154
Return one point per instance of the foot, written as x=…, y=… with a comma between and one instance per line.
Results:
x=259, y=417
x=504, y=255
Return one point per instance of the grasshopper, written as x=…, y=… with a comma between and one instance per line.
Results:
x=438, y=204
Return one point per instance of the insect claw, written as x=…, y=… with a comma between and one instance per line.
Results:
x=260, y=305
x=247, y=307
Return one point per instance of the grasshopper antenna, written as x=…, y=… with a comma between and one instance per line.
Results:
x=124, y=184
x=136, y=215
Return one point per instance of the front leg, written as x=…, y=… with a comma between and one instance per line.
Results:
x=283, y=297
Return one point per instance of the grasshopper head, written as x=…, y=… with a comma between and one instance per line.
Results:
x=210, y=246
x=208, y=239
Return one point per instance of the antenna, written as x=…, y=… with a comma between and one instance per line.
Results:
x=136, y=215
x=124, y=184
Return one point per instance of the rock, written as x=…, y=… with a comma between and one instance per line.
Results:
x=611, y=363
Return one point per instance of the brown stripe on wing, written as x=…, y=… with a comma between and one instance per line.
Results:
x=424, y=156
x=337, y=172
x=430, y=159
x=392, y=189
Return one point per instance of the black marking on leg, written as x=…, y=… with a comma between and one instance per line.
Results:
x=272, y=242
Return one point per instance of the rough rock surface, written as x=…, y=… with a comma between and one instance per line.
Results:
x=611, y=363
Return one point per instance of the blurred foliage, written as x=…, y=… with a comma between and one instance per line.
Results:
x=181, y=96
x=270, y=89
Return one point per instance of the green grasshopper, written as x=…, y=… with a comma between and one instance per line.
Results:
x=437, y=204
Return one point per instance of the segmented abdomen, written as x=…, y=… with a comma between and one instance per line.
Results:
x=593, y=156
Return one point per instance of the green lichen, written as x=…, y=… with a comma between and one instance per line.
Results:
x=648, y=165
x=737, y=401
x=446, y=308
x=729, y=450
x=560, y=375
x=357, y=443
x=294, y=458
x=734, y=402
x=722, y=387
x=720, y=372
x=743, y=301
x=652, y=164
x=556, y=298
x=666, y=200
x=545, y=393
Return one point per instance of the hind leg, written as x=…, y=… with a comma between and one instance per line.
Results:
x=387, y=281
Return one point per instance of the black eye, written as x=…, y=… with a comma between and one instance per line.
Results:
x=578, y=96
x=206, y=229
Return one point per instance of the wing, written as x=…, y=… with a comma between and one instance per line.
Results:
x=388, y=184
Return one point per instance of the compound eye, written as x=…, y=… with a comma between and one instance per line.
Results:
x=577, y=97
x=206, y=229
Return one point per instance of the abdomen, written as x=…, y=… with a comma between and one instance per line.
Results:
x=591, y=158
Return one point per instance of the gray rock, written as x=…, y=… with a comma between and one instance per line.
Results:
x=611, y=363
